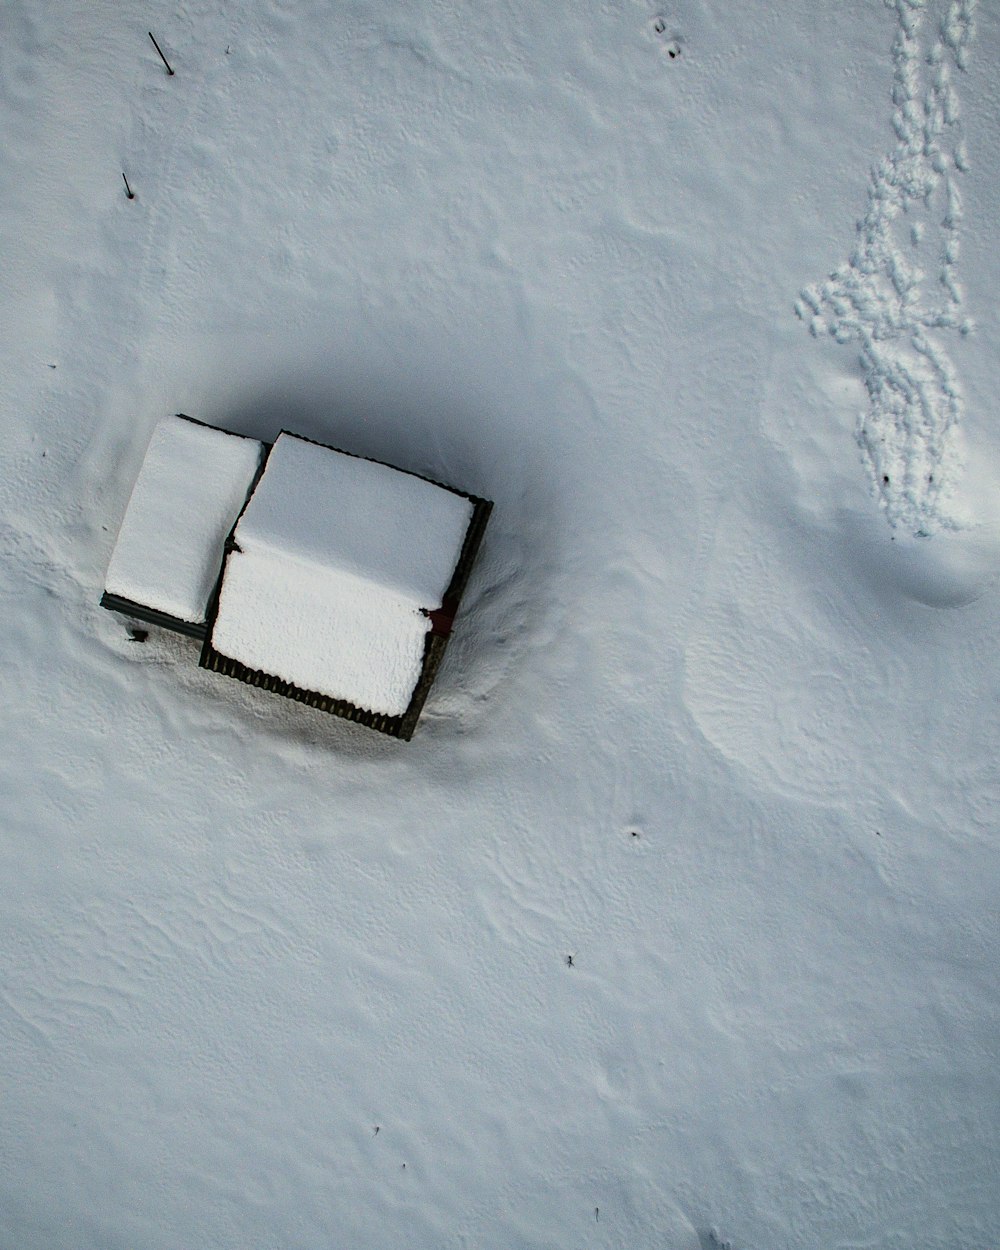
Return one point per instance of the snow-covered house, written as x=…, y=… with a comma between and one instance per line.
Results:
x=325, y=577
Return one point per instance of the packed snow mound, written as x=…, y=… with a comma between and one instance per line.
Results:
x=953, y=570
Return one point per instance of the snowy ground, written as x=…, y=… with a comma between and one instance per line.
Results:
x=709, y=726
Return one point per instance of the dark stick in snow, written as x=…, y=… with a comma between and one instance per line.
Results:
x=128, y=190
x=162, y=57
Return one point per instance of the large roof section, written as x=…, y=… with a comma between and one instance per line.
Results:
x=358, y=518
x=332, y=574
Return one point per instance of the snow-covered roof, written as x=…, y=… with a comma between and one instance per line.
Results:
x=337, y=562
x=193, y=482
x=348, y=515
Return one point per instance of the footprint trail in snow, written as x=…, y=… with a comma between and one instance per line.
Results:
x=898, y=295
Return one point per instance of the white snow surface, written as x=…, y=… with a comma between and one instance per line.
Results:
x=709, y=726
x=338, y=513
x=190, y=489
x=321, y=629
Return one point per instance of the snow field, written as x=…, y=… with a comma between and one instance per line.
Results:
x=711, y=726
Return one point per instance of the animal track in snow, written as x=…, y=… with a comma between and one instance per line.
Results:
x=898, y=293
x=661, y=31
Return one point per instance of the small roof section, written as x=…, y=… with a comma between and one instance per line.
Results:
x=190, y=489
